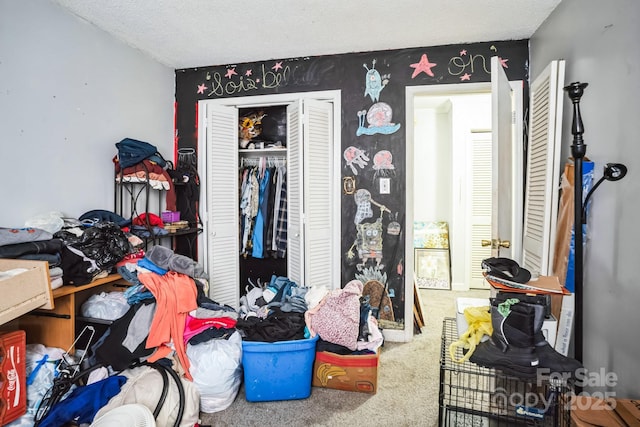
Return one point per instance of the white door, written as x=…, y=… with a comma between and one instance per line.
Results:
x=221, y=242
x=504, y=225
x=543, y=171
x=295, y=206
x=480, y=206
x=310, y=210
x=319, y=187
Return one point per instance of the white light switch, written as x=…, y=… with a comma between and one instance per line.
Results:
x=385, y=185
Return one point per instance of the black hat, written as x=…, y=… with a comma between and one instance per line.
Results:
x=505, y=268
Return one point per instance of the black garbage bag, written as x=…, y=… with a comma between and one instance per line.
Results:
x=104, y=243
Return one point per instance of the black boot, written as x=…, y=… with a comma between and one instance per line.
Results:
x=548, y=357
x=511, y=346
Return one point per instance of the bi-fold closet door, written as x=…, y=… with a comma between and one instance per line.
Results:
x=311, y=208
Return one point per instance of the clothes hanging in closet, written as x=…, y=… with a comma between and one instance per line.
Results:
x=263, y=208
x=279, y=241
x=261, y=218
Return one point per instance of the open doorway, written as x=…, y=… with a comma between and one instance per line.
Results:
x=450, y=180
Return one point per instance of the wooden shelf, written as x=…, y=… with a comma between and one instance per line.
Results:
x=69, y=289
x=57, y=327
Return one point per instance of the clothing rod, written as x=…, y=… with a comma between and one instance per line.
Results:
x=269, y=161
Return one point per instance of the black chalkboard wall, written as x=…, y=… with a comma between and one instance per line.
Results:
x=373, y=123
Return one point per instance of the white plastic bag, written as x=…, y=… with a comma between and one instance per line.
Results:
x=41, y=365
x=51, y=222
x=216, y=368
x=106, y=306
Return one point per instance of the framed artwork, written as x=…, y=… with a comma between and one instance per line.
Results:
x=432, y=268
x=431, y=234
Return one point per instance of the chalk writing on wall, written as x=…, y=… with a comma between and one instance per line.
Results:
x=466, y=64
x=232, y=83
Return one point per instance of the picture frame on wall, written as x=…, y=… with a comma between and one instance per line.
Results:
x=431, y=234
x=432, y=268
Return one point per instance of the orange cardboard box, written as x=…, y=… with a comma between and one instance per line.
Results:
x=348, y=373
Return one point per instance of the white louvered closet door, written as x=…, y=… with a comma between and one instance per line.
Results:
x=222, y=247
x=481, y=205
x=543, y=168
x=295, y=229
x=309, y=192
x=318, y=207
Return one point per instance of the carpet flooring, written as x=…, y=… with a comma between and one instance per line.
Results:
x=408, y=381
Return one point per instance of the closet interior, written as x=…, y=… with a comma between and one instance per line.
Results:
x=262, y=196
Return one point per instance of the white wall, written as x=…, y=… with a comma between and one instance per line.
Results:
x=68, y=93
x=599, y=41
x=432, y=164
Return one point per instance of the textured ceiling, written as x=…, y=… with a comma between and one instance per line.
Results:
x=194, y=33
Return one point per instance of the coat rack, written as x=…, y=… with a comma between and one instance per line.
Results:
x=612, y=172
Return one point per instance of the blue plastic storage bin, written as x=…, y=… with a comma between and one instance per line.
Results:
x=278, y=370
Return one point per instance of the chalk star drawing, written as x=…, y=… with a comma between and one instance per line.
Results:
x=464, y=77
x=423, y=66
x=503, y=62
x=277, y=67
x=248, y=73
x=202, y=88
x=230, y=73
x=463, y=52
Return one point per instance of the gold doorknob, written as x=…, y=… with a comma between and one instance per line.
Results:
x=496, y=243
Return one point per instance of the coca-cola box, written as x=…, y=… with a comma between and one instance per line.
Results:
x=13, y=385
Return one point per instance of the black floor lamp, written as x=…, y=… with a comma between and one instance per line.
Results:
x=612, y=172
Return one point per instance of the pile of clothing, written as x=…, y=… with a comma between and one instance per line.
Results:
x=282, y=311
x=344, y=321
x=76, y=253
x=140, y=161
x=168, y=321
x=175, y=320
x=274, y=312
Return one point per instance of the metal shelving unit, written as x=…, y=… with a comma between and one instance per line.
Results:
x=132, y=198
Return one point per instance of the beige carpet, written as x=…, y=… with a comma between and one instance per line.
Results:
x=408, y=381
